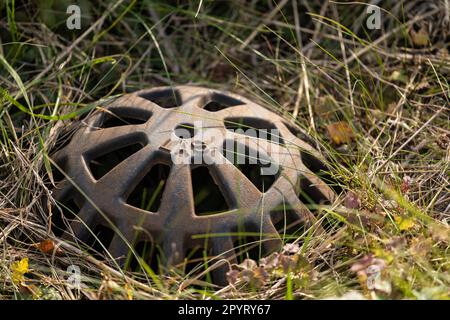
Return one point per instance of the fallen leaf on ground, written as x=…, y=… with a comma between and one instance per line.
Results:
x=420, y=38
x=271, y=262
x=404, y=223
x=406, y=184
x=340, y=132
x=256, y=277
x=233, y=276
x=34, y=291
x=365, y=262
x=260, y=277
x=48, y=246
x=399, y=76
x=18, y=269
x=352, y=201
x=291, y=248
x=248, y=264
x=294, y=263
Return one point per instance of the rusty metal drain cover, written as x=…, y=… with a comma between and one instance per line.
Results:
x=179, y=168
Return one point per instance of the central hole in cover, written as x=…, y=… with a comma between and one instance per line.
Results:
x=184, y=131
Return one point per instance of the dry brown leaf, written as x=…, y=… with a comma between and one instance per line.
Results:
x=443, y=141
x=340, y=132
x=233, y=276
x=271, y=262
x=367, y=261
x=420, y=38
x=260, y=277
x=48, y=247
x=406, y=184
x=291, y=248
x=352, y=201
x=248, y=264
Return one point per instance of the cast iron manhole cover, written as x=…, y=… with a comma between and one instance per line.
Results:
x=183, y=168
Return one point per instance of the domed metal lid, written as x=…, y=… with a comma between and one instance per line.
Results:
x=185, y=167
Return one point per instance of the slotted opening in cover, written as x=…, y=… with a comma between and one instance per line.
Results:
x=148, y=254
x=100, y=242
x=299, y=133
x=58, y=173
x=309, y=194
x=254, y=127
x=148, y=193
x=216, y=102
x=101, y=165
x=65, y=213
x=123, y=117
x=246, y=242
x=196, y=259
x=319, y=168
x=287, y=222
x=165, y=98
x=252, y=164
x=208, y=198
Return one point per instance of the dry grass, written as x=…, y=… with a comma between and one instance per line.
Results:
x=313, y=61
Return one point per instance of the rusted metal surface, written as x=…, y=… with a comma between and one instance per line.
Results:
x=175, y=227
